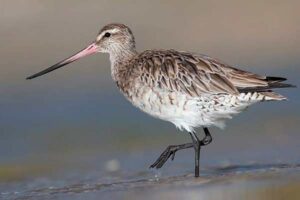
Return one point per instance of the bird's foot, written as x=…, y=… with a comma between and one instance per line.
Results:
x=169, y=152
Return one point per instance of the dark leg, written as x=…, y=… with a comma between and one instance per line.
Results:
x=172, y=149
x=207, y=139
x=197, y=147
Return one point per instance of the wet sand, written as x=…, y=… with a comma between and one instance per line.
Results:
x=278, y=181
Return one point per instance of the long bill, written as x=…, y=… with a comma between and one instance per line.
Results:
x=91, y=49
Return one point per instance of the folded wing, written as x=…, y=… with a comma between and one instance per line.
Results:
x=196, y=75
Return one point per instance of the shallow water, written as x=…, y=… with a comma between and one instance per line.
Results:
x=274, y=181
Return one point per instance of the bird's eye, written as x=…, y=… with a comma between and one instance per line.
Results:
x=107, y=34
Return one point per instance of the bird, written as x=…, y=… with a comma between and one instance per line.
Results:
x=187, y=89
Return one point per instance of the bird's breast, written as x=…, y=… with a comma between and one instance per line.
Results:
x=162, y=104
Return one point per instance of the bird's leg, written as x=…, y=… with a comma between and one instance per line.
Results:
x=197, y=147
x=170, y=151
x=207, y=139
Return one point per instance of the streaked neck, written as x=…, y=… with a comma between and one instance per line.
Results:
x=119, y=58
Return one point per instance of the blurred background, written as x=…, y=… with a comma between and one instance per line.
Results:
x=74, y=122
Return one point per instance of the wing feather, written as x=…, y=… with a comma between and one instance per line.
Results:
x=194, y=74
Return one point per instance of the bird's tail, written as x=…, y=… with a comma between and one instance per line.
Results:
x=273, y=83
x=266, y=92
x=272, y=96
x=276, y=82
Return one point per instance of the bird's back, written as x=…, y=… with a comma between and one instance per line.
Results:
x=192, y=90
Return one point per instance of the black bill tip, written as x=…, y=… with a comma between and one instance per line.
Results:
x=91, y=49
x=50, y=69
x=30, y=77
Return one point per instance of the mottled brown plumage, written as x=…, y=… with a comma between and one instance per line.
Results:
x=190, y=73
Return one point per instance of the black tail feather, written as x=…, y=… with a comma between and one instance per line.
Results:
x=273, y=82
x=276, y=82
x=280, y=85
x=275, y=79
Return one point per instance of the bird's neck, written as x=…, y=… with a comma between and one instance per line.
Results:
x=119, y=60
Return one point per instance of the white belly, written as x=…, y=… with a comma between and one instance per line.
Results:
x=188, y=112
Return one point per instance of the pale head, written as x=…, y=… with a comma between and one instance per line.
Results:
x=115, y=39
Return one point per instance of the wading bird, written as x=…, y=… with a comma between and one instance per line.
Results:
x=188, y=89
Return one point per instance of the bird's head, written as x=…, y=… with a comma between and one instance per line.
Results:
x=115, y=39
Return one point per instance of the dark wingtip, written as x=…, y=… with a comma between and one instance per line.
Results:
x=274, y=78
x=281, y=85
x=276, y=82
